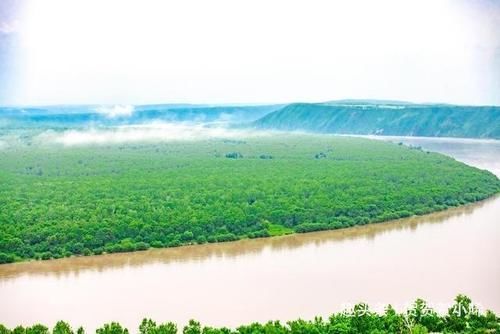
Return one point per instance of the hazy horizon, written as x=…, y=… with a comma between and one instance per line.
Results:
x=236, y=104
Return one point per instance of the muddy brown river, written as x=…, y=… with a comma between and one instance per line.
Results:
x=434, y=257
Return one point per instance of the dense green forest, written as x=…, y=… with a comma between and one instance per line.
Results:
x=59, y=201
x=396, y=119
x=462, y=317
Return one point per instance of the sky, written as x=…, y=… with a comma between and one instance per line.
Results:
x=259, y=51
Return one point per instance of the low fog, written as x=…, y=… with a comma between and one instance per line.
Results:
x=116, y=110
x=152, y=132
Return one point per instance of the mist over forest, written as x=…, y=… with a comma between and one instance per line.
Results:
x=93, y=124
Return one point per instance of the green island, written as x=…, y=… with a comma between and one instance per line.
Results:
x=58, y=201
x=462, y=317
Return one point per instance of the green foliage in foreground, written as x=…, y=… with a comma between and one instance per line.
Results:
x=57, y=201
x=462, y=317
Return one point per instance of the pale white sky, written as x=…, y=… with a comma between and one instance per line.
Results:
x=259, y=51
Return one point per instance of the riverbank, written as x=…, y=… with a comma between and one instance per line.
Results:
x=231, y=249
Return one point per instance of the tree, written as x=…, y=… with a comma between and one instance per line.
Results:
x=234, y=155
x=62, y=327
x=4, y=330
x=460, y=314
x=193, y=327
x=393, y=322
x=147, y=326
x=37, y=329
x=419, y=329
x=6, y=258
x=167, y=328
x=112, y=328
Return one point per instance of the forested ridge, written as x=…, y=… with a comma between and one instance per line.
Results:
x=462, y=317
x=363, y=117
x=59, y=201
x=392, y=119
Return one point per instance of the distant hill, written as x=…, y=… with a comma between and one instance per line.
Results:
x=366, y=102
x=91, y=115
x=386, y=118
x=363, y=117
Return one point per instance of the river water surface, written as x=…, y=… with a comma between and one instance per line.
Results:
x=434, y=257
